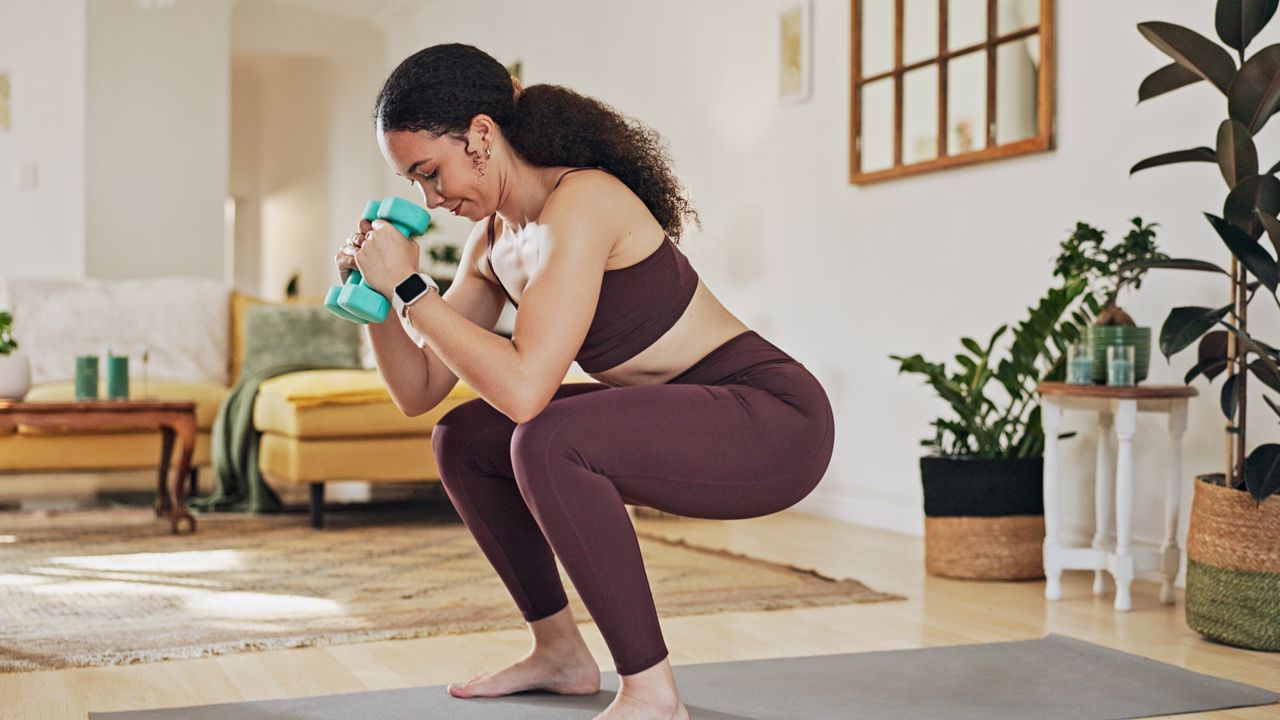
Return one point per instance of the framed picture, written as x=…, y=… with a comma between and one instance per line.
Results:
x=4, y=101
x=795, y=59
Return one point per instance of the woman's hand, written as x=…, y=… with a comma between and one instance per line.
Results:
x=385, y=257
x=346, y=257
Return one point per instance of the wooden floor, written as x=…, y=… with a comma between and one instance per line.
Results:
x=937, y=612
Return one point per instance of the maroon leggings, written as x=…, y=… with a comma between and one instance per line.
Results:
x=746, y=431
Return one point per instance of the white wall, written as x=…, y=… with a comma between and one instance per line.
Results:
x=157, y=92
x=304, y=158
x=841, y=276
x=42, y=50
x=282, y=199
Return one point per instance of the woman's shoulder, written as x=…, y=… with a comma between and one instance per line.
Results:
x=592, y=190
x=589, y=175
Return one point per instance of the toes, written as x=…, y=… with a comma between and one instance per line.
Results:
x=461, y=691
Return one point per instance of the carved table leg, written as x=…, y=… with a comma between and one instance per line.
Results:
x=163, y=503
x=185, y=428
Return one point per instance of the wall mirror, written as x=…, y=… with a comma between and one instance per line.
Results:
x=944, y=83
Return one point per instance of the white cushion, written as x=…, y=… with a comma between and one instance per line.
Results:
x=182, y=322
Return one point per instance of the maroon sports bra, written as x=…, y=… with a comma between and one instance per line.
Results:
x=638, y=303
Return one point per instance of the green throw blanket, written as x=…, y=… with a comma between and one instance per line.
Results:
x=278, y=340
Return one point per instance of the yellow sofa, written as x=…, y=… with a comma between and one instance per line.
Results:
x=324, y=425
x=317, y=426
x=28, y=450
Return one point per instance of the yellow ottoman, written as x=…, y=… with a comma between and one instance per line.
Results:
x=322, y=425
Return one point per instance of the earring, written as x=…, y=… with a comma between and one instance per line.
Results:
x=488, y=152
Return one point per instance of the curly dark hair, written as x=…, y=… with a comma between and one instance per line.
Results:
x=440, y=89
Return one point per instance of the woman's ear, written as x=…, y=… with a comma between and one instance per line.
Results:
x=480, y=136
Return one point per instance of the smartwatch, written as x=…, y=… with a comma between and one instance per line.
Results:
x=410, y=290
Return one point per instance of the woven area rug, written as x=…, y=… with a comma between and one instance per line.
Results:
x=108, y=587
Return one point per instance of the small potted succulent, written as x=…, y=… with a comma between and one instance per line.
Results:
x=1110, y=270
x=1233, y=543
x=15, y=370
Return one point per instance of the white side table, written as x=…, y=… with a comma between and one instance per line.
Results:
x=1119, y=406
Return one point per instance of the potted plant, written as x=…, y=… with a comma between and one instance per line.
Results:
x=1110, y=270
x=983, y=481
x=444, y=258
x=15, y=370
x=1233, y=544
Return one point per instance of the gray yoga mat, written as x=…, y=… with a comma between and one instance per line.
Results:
x=1054, y=677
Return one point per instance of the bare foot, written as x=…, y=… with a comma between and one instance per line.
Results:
x=627, y=707
x=566, y=672
x=647, y=695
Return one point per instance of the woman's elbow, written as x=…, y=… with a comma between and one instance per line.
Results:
x=527, y=411
x=412, y=407
x=411, y=411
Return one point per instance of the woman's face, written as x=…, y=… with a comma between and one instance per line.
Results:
x=440, y=167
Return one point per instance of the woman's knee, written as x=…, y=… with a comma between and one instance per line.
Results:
x=544, y=439
x=461, y=426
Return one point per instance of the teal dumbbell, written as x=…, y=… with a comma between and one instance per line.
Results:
x=356, y=301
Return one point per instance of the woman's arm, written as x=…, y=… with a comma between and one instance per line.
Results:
x=416, y=377
x=519, y=376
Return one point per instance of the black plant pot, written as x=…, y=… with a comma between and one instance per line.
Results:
x=984, y=518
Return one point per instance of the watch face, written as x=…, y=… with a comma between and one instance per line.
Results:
x=412, y=287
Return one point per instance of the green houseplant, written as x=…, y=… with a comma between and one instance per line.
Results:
x=983, y=492
x=1233, y=545
x=7, y=343
x=15, y=369
x=444, y=258
x=1109, y=270
x=983, y=477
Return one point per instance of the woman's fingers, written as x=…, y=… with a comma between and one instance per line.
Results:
x=345, y=258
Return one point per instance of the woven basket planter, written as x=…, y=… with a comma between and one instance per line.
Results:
x=1233, y=567
x=984, y=519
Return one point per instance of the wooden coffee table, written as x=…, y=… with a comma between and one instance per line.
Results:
x=175, y=419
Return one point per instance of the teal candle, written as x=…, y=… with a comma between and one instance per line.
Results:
x=117, y=377
x=86, y=377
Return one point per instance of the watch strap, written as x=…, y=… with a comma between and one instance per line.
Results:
x=400, y=305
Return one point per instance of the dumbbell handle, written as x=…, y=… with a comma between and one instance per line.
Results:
x=355, y=300
x=409, y=219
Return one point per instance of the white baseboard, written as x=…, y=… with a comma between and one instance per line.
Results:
x=865, y=512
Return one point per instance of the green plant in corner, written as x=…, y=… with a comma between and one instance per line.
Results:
x=7, y=343
x=1006, y=424
x=444, y=254
x=1108, y=269
x=443, y=259
x=1252, y=93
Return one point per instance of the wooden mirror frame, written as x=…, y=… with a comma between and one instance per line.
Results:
x=1042, y=141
